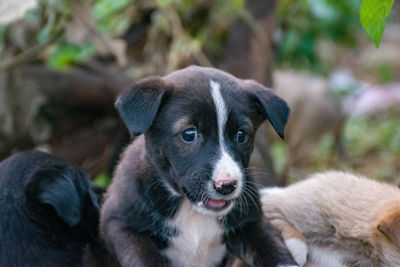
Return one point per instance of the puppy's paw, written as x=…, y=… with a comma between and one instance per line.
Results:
x=298, y=249
x=285, y=265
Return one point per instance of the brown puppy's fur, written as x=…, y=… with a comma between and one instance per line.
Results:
x=337, y=219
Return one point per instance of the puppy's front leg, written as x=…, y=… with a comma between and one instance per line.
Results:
x=131, y=249
x=294, y=240
x=260, y=244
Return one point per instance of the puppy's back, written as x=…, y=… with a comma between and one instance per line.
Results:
x=49, y=212
x=329, y=202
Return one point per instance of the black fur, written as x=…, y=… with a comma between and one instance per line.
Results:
x=49, y=212
x=273, y=107
x=158, y=171
x=148, y=97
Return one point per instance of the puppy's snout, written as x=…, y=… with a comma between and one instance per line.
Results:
x=225, y=187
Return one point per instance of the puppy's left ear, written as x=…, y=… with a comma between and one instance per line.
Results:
x=52, y=186
x=389, y=223
x=139, y=105
x=272, y=107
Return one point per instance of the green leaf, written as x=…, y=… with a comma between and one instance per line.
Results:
x=373, y=16
x=102, y=180
x=66, y=55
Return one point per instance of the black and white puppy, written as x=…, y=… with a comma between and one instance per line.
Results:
x=49, y=212
x=182, y=194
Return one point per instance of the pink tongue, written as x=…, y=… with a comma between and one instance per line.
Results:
x=216, y=203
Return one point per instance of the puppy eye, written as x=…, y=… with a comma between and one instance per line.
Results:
x=189, y=135
x=241, y=136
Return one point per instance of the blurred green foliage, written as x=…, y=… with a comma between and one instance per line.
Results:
x=2, y=31
x=67, y=54
x=305, y=22
x=171, y=26
x=365, y=135
x=102, y=180
x=111, y=16
x=55, y=14
x=280, y=155
x=371, y=145
x=385, y=73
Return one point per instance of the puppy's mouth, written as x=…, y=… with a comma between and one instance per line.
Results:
x=216, y=204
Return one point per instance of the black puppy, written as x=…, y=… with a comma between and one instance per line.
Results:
x=49, y=212
x=182, y=194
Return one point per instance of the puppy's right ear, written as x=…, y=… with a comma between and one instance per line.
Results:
x=139, y=105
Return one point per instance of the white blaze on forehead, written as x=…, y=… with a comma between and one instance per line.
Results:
x=226, y=167
x=222, y=114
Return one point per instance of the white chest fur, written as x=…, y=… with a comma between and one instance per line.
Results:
x=199, y=239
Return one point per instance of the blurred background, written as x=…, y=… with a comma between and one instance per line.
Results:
x=62, y=63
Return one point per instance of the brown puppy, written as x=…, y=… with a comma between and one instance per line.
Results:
x=337, y=219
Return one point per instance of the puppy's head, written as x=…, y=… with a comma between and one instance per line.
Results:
x=59, y=195
x=199, y=126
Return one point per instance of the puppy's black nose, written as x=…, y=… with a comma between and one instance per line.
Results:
x=225, y=187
